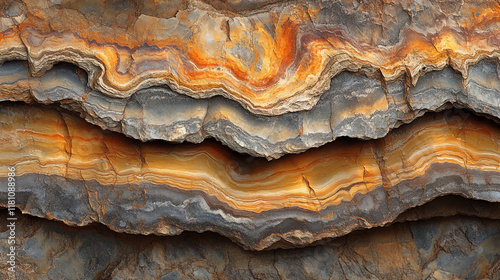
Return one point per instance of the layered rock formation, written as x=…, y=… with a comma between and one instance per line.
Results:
x=165, y=189
x=328, y=119
x=359, y=107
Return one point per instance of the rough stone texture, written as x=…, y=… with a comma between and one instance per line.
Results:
x=408, y=194
x=441, y=248
x=355, y=106
x=72, y=171
x=272, y=58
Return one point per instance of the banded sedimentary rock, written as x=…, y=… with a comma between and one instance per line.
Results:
x=355, y=106
x=71, y=171
x=441, y=248
x=338, y=116
x=272, y=57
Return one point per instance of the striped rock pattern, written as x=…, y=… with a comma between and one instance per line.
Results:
x=299, y=199
x=300, y=139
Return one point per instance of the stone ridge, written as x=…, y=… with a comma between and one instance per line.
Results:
x=355, y=106
x=278, y=58
x=74, y=172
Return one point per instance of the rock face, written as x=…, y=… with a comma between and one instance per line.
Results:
x=351, y=139
x=441, y=248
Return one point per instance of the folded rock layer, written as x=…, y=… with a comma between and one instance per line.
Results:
x=272, y=57
x=365, y=132
x=72, y=171
x=355, y=106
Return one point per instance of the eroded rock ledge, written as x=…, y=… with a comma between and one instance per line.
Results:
x=72, y=171
x=277, y=57
x=355, y=106
x=440, y=248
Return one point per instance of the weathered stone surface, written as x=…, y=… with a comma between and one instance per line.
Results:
x=355, y=106
x=74, y=172
x=273, y=57
x=441, y=248
x=407, y=92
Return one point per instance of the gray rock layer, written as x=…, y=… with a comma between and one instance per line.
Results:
x=167, y=211
x=441, y=248
x=355, y=106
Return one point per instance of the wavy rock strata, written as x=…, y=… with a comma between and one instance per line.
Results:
x=71, y=171
x=272, y=57
x=365, y=132
x=355, y=106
